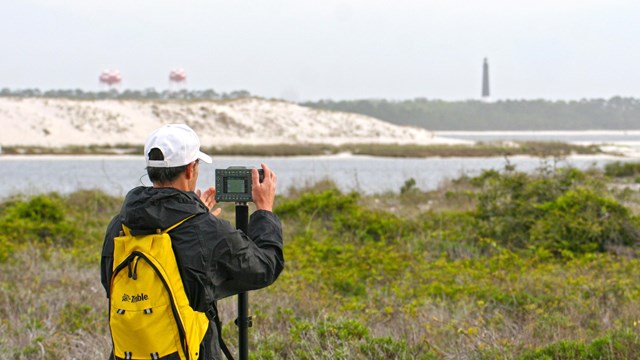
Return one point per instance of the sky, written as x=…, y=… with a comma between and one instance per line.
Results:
x=307, y=50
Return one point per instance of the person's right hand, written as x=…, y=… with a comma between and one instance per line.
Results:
x=264, y=193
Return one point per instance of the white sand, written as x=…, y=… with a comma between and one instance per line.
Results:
x=59, y=122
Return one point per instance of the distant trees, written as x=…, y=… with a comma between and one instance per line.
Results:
x=587, y=114
x=146, y=94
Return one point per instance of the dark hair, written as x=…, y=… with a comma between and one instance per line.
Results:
x=163, y=175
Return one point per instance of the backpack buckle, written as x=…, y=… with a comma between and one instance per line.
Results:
x=211, y=313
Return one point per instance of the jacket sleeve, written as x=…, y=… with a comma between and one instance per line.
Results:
x=106, y=260
x=249, y=262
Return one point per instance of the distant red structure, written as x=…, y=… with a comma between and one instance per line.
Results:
x=177, y=76
x=110, y=77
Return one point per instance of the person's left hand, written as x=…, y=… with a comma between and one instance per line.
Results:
x=208, y=197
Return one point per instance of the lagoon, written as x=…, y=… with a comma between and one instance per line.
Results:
x=117, y=174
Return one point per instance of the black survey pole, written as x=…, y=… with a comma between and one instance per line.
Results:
x=243, y=321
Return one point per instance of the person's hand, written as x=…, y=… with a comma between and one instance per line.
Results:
x=264, y=193
x=208, y=197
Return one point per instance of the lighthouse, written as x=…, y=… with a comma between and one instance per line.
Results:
x=485, y=80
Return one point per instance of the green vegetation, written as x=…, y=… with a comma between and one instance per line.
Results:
x=501, y=265
x=545, y=149
x=618, y=345
x=121, y=149
x=622, y=169
x=587, y=114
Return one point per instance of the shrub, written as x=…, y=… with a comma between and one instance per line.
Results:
x=366, y=225
x=323, y=205
x=506, y=207
x=40, y=220
x=557, y=210
x=342, y=215
x=408, y=186
x=622, y=169
x=582, y=221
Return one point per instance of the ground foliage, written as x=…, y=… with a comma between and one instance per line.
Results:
x=501, y=265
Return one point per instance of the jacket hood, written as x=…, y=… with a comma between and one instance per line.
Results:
x=147, y=209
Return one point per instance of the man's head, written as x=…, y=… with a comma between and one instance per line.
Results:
x=172, y=153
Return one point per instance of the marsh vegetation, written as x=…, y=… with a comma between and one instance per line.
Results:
x=533, y=148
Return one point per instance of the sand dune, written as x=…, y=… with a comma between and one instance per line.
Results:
x=60, y=122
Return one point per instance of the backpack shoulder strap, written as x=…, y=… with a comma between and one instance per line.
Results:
x=213, y=313
x=127, y=231
x=177, y=224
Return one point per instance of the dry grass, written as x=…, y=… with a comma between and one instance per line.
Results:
x=51, y=308
x=54, y=308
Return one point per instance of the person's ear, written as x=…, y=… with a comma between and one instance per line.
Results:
x=191, y=170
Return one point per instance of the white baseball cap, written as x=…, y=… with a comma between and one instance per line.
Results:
x=179, y=145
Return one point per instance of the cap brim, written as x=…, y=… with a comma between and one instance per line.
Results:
x=204, y=157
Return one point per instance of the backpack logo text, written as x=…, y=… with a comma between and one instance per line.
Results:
x=134, y=298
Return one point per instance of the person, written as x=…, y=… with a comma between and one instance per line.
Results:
x=214, y=259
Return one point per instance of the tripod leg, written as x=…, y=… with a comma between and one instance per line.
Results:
x=243, y=321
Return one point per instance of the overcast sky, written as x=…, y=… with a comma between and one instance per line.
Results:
x=320, y=49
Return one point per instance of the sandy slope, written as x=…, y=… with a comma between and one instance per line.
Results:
x=59, y=122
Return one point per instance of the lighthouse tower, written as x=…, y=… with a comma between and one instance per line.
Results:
x=485, y=80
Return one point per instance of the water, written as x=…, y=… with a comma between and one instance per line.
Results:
x=117, y=174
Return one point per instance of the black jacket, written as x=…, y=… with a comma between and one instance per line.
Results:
x=215, y=259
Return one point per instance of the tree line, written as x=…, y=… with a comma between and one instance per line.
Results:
x=145, y=94
x=616, y=113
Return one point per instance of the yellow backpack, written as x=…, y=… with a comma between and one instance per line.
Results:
x=149, y=313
